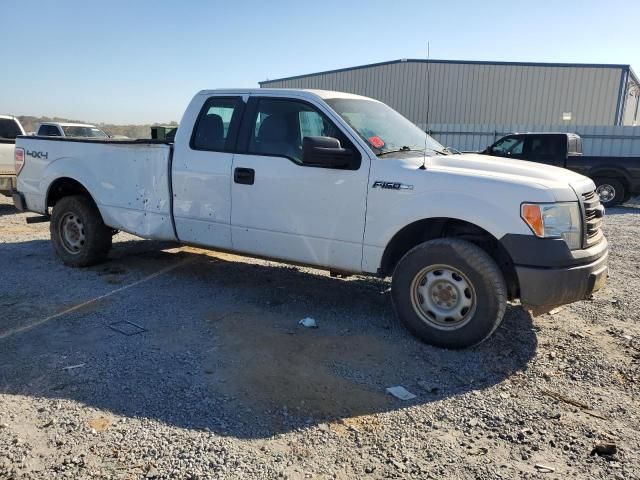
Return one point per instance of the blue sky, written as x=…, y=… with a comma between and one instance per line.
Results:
x=141, y=61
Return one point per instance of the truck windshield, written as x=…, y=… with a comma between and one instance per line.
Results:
x=75, y=131
x=9, y=128
x=384, y=129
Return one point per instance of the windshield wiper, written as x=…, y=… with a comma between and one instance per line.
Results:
x=401, y=149
x=409, y=149
x=439, y=152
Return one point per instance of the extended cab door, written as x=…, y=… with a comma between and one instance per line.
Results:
x=202, y=171
x=286, y=210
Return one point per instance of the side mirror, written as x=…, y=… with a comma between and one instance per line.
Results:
x=326, y=152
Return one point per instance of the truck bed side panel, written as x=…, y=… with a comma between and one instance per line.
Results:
x=128, y=181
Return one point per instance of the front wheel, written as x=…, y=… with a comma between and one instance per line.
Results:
x=449, y=293
x=79, y=236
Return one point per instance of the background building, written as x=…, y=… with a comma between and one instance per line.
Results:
x=467, y=92
x=471, y=104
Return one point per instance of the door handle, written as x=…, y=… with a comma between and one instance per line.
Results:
x=245, y=176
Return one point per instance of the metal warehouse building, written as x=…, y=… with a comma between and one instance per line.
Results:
x=506, y=93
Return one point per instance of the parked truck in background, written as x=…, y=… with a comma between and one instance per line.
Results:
x=57, y=129
x=617, y=179
x=339, y=182
x=10, y=128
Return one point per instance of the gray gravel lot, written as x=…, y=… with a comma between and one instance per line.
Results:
x=214, y=378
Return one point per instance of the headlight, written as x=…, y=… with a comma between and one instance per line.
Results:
x=554, y=220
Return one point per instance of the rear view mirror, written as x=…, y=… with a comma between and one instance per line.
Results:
x=326, y=152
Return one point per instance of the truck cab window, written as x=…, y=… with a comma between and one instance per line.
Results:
x=509, y=146
x=9, y=128
x=212, y=128
x=280, y=126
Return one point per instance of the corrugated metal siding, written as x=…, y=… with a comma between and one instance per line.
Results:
x=480, y=93
x=596, y=140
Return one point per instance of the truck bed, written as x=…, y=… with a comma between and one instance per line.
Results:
x=625, y=167
x=138, y=202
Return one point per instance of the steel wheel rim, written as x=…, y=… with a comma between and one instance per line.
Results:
x=606, y=192
x=72, y=233
x=443, y=297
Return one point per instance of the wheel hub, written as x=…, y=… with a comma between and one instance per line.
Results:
x=443, y=297
x=72, y=233
x=606, y=192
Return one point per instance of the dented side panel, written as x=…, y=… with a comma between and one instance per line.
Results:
x=128, y=182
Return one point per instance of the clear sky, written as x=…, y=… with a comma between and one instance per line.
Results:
x=139, y=61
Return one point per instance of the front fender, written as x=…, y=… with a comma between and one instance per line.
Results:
x=495, y=210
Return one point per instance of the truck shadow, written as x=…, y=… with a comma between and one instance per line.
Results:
x=7, y=209
x=215, y=344
x=627, y=208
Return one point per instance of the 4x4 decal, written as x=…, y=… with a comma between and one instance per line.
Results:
x=34, y=154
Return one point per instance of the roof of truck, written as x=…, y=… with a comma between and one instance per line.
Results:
x=7, y=117
x=304, y=92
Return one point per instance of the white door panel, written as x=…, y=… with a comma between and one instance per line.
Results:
x=202, y=197
x=202, y=171
x=303, y=214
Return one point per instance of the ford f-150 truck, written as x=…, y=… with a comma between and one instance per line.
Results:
x=336, y=181
x=10, y=128
x=617, y=179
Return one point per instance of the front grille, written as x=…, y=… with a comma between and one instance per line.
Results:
x=593, y=212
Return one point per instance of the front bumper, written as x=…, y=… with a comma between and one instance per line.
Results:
x=549, y=274
x=559, y=286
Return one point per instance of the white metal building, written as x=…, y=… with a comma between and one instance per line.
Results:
x=473, y=92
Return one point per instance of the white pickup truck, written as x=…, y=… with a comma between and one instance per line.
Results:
x=10, y=128
x=336, y=181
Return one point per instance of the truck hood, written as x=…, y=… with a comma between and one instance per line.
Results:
x=563, y=183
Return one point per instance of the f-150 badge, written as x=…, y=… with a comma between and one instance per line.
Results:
x=392, y=185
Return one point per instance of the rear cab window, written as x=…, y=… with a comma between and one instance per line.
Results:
x=217, y=124
x=49, y=131
x=9, y=128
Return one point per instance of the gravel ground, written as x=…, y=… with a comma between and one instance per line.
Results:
x=170, y=362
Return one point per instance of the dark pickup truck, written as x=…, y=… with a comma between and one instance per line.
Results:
x=617, y=179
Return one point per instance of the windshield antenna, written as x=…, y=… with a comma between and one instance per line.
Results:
x=424, y=153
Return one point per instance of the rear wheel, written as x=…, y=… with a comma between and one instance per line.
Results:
x=79, y=236
x=610, y=190
x=449, y=293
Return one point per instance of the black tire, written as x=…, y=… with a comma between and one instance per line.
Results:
x=77, y=216
x=610, y=188
x=479, y=274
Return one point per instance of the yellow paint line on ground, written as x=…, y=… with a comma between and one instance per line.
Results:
x=37, y=323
